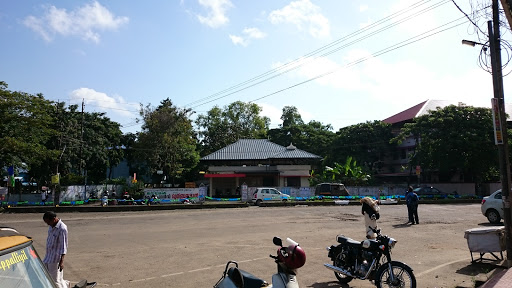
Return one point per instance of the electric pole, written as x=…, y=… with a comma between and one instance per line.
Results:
x=81, y=138
x=497, y=79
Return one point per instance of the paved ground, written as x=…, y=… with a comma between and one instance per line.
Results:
x=189, y=248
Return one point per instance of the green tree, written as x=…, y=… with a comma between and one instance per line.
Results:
x=221, y=127
x=368, y=142
x=25, y=128
x=455, y=141
x=313, y=137
x=348, y=173
x=167, y=141
x=87, y=144
x=100, y=146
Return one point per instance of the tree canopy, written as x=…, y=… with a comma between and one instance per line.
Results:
x=314, y=136
x=26, y=129
x=167, y=141
x=455, y=140
x=46, y=137
x=368, y=143
x=221, y=127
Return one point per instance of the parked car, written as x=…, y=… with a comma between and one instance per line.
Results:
x=492, y=207
x=268, y=194
x=432, y=191
x=331, y=189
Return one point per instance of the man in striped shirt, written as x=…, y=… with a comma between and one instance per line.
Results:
x=56, y=248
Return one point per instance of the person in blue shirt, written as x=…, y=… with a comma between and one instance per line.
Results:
x=411, y=198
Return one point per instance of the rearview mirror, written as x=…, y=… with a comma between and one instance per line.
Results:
x=277, y=241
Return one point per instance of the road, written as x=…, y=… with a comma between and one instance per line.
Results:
x=189, y=248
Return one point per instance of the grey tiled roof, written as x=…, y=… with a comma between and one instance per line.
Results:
x=258, y=149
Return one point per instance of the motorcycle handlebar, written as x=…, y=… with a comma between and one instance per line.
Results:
x=374, y=230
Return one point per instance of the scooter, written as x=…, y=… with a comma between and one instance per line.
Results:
x=288, y=260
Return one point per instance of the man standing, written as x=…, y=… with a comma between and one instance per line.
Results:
x=370, y=210
x=411, y=199
x=43, y=197
x=56, y=248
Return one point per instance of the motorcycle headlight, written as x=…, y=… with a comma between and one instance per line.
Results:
x=391, y=243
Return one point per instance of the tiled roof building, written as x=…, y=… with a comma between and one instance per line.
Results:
x=257, y=162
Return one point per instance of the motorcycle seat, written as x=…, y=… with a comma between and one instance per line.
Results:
x=349, y=241
x=247, y=280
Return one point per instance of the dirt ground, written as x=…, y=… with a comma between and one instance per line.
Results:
x=189, y=248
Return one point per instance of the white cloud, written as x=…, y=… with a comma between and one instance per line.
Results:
x=254, y=33
x=363, y=7
x=115, y=105
x=305, y=16
x=237, y=40
x=271, y=112
x=249, y=33
x=401, y=83
x=217, y=12
x=275, y=113
x=85, y=22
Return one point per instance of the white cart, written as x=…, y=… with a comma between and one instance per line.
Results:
x=486, y=240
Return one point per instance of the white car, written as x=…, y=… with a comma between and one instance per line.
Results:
x=492, y=207
x=268, y=194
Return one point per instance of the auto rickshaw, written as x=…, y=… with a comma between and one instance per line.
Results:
x=20, y=265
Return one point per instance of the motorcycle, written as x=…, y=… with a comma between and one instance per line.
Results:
x=369, y=260
x=288, y=260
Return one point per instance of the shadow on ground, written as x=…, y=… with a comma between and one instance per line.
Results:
x=487, y=224
x=330, y=284
x=401, y=225
x=478, y=268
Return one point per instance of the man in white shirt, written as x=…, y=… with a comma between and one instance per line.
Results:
x=56, y=248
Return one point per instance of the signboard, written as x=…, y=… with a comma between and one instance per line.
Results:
x=190, y=185
x=496, y=121
x=244, y=193
x=418, y=170
x=173, y=193
x=203, y=190
x=55, y=179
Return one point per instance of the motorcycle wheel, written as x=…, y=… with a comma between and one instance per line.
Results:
x=340, y=262
x=404, y=277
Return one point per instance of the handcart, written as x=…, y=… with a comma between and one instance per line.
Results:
x=484, y=240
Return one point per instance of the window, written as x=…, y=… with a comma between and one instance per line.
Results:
x=293, y=181
x=23, y=268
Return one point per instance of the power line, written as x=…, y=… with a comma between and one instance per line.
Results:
x=381, y=52
x=286, y=66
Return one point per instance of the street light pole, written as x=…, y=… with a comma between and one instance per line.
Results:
x=497, y=79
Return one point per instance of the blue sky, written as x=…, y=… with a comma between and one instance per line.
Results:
x=328, y=58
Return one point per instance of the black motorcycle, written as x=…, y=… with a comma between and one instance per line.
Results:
x=369, y=260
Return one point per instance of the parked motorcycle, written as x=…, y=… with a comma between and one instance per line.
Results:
x=288, y=260
x=369, y=260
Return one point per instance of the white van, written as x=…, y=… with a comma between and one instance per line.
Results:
x=268, y=194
